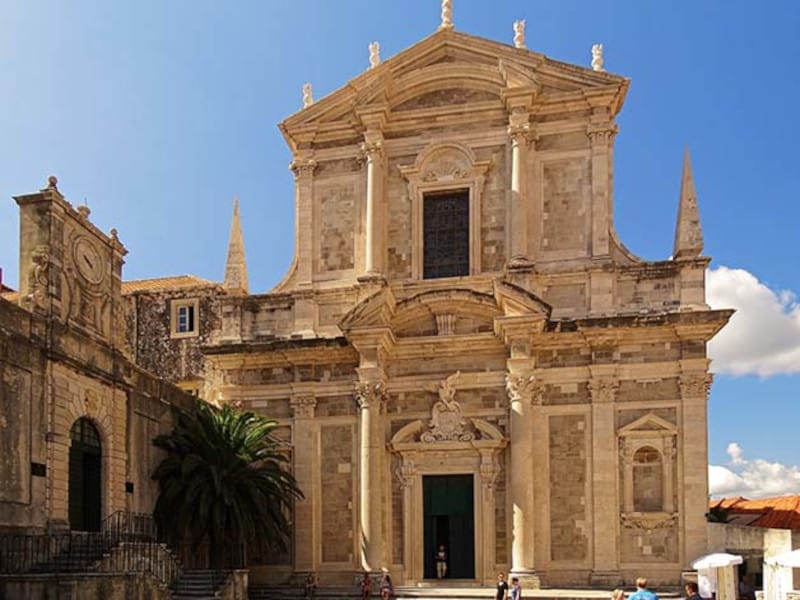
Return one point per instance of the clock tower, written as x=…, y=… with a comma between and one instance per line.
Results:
x=69, y=269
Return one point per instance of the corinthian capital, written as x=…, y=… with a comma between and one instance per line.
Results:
x=601, y=133
x=370, y=394
x=523, y=387
x=303, y=407
x=603, y=389
x=696, y=385
x=303, y=168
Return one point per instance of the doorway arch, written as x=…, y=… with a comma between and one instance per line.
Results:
x=85, y=476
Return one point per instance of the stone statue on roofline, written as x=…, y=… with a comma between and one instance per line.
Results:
x=519, y=33
x=597, y=57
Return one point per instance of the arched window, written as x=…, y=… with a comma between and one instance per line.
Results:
x=85, y=476
x=648, y=480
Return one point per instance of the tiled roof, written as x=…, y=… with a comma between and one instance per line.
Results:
x=176, y=282
x=781, y=512
x=10, y=296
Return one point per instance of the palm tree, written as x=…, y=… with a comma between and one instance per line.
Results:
x=223, y=484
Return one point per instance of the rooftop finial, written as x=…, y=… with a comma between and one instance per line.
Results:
x=308, y=100
x=447, y=14
x=519, y=33
x=52, y=183
x=597, y=57
x=374, y=55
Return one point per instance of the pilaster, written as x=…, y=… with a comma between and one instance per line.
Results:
x=603, y=387
x=601, y=132
x=303, y=167
x=695, y=383
x=521, y=135
x=305, y=441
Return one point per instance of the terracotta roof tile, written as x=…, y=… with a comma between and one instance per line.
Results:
x=176, y=282
x=781, y=512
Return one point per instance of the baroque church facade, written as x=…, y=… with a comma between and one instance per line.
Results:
x=463, y=353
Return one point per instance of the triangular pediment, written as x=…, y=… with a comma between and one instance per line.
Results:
x=649, y=424
x=449, y=68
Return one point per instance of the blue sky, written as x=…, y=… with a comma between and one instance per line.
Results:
x=159, y=113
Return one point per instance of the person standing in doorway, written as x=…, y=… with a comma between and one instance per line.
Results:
x=516, y=589
x=441, y=562
x=502, y=588
x=642, y=593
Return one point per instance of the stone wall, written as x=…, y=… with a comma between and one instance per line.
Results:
x=108, y=586
x=566, y=186
x=568, y=517
x=149, y=331
x=337, y=493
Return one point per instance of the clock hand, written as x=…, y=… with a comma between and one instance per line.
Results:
x=88, y=262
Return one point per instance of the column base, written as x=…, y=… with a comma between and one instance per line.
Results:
x=375, y=577
x=607, y=578
x=528, y=579
x=519, y=263
x=373, y=277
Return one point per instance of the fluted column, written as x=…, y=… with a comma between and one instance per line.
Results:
x=521, y=387
x=306, y=466
x=605, y=508
x=601, y=132
x=371, y=397
x=373, y=152
x=520, y=134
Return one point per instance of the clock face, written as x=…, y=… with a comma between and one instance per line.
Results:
x=88, y=261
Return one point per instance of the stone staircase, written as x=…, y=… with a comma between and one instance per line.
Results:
x=258, y=592
x=199, y=585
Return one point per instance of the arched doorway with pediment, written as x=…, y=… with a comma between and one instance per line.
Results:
x=85, y=476
x=435, y=467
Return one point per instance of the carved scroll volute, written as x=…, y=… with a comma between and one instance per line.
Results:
x=489, y=470
x=524, y=387
x=696, y=385
x=603, y=389
x=303, y=407
x=371, y=395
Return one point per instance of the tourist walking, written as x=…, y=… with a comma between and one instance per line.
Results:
x=311, y=586
x=618, y=594
x=516, y=589
x=441, y=562
x=502, y=588
x=642, y=593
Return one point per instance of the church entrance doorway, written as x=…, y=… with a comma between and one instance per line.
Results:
x=449, y=521
x=85, y=483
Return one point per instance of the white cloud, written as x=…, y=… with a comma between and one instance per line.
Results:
x=763, y=336
x=756, y=478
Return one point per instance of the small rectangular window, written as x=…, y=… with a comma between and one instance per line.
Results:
x=184, y=316
x=445, y=238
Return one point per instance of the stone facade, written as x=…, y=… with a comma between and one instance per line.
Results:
x=62, y=359
x=563, y=377
x=567, y=377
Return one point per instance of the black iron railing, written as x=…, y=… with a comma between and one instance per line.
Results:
x=126, y=543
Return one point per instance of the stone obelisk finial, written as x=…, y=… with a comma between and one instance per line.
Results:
x=519, y=33
x=308, y=99
x=447, y=15
x=236, y=265
x=374, y=55
x=597, y=57
x=688, y=232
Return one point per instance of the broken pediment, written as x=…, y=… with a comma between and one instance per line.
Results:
x=444, y=312
x=515, y=301
x=447, y=97
x=373, y=311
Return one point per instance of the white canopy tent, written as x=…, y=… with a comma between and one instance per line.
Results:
x=778, y=574
x=715, y=574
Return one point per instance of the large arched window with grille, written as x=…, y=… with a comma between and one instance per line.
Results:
x=648, y=480
x=85, y=476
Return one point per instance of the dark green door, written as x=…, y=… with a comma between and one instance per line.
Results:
x=449, y=521
x=85, y=481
